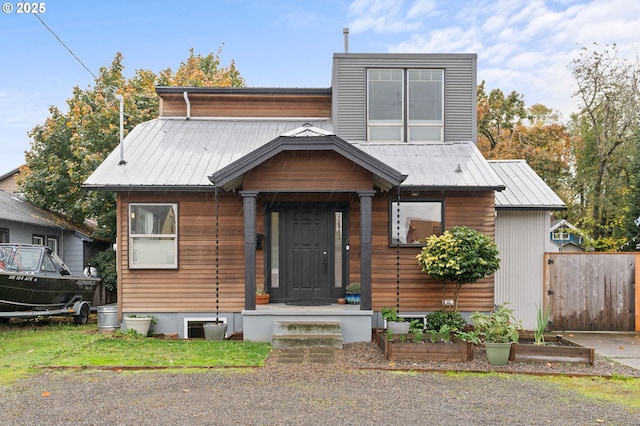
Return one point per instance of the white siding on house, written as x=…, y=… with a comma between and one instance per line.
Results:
x=349, y=83
x=522, y=236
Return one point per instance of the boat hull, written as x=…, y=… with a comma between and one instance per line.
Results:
x=33, y=292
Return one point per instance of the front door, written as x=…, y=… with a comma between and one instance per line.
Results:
x=308, y=254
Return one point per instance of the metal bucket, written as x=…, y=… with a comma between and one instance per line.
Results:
x=214, y=331
x=108, y=317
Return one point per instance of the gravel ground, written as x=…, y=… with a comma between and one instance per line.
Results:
x=355, y=389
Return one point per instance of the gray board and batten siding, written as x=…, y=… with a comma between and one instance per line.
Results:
x=349, y=84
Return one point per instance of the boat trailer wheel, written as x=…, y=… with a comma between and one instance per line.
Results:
x=83, y=315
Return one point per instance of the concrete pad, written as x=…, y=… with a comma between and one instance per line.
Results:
x=622, y=347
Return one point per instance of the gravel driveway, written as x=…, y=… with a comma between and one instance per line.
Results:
x=299, y=394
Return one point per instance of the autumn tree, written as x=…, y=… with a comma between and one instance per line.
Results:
x=608, y=123
x=70, y=145
x=498, y=115
x=507, y=129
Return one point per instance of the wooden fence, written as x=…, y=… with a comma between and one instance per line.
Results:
x=592, y=291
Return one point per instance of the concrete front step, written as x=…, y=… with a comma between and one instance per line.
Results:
x=307, y=334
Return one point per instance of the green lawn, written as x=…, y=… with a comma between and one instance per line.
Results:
x=29, y=345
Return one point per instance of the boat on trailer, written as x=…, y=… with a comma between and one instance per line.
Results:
x=35, y=282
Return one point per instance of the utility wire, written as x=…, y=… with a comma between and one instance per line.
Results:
x=65, y=46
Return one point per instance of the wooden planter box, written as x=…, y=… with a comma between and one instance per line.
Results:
x=557, y=349
x=397, y=350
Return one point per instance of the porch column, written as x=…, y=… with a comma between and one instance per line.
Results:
x=249, y=218
x=366, y=198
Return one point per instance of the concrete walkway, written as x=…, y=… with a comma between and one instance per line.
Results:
x=623, y=347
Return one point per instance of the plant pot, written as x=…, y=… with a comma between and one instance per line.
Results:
x=353, y=298
x=262, y=299
x=214, y=330
x=497, y=353
x=398, y=327
x=139, y=324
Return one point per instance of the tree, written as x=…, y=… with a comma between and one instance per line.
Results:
x=70, y=145
x=461, y=255
x=498, y=115
x=608, y=123
x=507, y=129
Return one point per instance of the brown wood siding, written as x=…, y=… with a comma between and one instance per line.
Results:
x=418, y=292
x=308, y=171
x=237, y=105
x=191, y=287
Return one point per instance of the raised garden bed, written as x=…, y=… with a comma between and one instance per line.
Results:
x=396, y=349
x=556, y=349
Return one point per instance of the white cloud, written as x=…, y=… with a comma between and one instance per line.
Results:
x=522, y=45
x=388, y=16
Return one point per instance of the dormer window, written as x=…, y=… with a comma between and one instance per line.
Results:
x=405, y=105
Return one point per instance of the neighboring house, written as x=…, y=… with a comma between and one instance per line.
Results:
x=23, y=223
x=565, y=237
x=8, y=181
x=523, y=212
x=301, y=191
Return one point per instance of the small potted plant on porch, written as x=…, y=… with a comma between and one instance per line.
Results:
x=262, y=297
x=498, y=330
x=352, y=293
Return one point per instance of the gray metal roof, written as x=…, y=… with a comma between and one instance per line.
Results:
x=525, y=189
x=180, y=154
x=14, y=209
x=437, y=165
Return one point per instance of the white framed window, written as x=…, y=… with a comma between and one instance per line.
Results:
x=153, y=236
x=37, y=240
x=405, y=105
x=412, y=222
x=52, y=243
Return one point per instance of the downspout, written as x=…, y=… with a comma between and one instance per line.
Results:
x=186, y=100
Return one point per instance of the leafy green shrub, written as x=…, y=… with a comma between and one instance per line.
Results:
x=452, y=319
x=461, y=255
x=499, y=326
x=105, y=262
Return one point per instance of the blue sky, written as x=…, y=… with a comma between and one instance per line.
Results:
x=521, y=45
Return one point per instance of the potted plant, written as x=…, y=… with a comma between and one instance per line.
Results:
x=140, y=323
x=498, y=330
x=461, y=255
x=395, y=324
x=352, y=293
x=262, y=297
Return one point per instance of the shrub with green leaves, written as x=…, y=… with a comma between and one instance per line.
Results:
x=452, y=319
x=460, y=255
x=105, y=262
